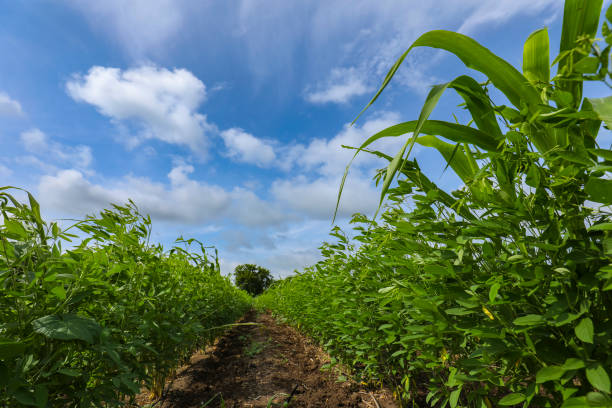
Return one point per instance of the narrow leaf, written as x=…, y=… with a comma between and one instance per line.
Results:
x=512, y=399
x=536, y=59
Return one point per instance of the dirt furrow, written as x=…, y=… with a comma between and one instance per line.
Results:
x=265, y=365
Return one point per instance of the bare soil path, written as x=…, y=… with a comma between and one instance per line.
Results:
x=265, y=365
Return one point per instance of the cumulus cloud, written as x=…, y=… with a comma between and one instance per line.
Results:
x=37, y=142
x=244, y=147
x=343, y=85
x=9, y=107
x=182, y=199
x=327, y=156
x=324, y=160
x=317, y=198
x=160, y=103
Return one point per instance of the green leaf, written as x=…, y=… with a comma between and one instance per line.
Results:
x=576, y=402
x=573, y=364
x=550, y=373
x=15, y=227
x=536, y=59
x=454, y=397
x=71, y=372
x=458, y=311
x=605, y=226
x=603, y=108
x=478, y=102
x=597, y=399
x=430, y=103
x=599, y=190
x=598, y=377
x=605, y=153
x=533, y=177
x=584, y=330
x=59, y=292
x=67, y=327
x=587, y=65
x=503, y=75
x=493, y=291
x=580, y=17
x=529, y=320
x=454, y=158
x=512, y=399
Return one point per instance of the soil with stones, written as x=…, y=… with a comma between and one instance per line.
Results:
x=265, y=365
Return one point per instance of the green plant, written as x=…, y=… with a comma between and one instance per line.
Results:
x=252, y=278
x=89, y=325
x=255, y=348
x=497, y=293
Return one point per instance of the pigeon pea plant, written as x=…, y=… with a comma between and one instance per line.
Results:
x=499, y=293
x=90, y=325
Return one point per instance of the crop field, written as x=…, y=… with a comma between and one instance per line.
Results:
x=500, y=293
x=496, y=294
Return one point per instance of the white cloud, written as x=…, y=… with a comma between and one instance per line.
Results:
x=343, y=85
x=37, y=142
x=182, y=199
x=328, y=157
x=317, y=198
x=503, y=10
x=250, y=210
x=9, y=107
x=141, y=26
x=244, y=147
x=162, y=103
x=5, y=172
x=325, y=161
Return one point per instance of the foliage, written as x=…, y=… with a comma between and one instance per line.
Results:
x=498, y=293
x=89, y=325
x=252, y=278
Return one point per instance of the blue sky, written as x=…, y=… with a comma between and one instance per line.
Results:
x=224, y=120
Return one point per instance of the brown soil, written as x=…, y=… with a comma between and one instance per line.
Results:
x=265, y=365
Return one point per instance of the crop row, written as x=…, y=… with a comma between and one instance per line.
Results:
x=499, y=293
x=91, y=324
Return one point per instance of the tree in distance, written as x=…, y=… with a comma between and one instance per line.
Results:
x=252, y=278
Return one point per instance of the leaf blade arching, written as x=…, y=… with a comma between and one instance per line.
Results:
x=430, y=103
x=455, y=158
x=452, y=131
x=411, y=171
x=536, y=57
x=503, y=75
x=478, y=103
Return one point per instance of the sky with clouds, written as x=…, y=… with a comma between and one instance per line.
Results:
x=224, y=120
